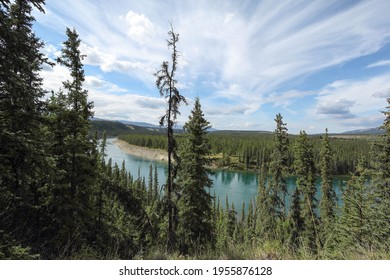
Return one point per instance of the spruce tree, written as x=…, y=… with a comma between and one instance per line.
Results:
x=304, y=169
x=380, y=175
x=71, y=203
x=23, y=160
x=166, y=83
x=195, y=226
x=356, y=221
x=278, y=185
x=328, y=200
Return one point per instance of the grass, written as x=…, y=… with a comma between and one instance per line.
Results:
x=266, y=251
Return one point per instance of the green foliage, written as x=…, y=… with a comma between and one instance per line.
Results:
x=156, y=141
x=278, y=167
x=75, y=159
x=111, y=128
x=195, y=227
x=22, y=137
x=296, y=221
x=304, y=169
x=263, y=205
x=328, y=200
x=355, y=226
x=381, y=180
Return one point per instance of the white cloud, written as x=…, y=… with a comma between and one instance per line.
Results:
x=93, y=82
x=336, y=108
x=127, y=106
x=54, y=76
x=225, y=109
x=349, y=104
x=287, y=98
x=385, y=93
x=107, y=103
x=379, y=63
x=51, y=51
x=139, y=27
x=362, y=95
x=108, y=62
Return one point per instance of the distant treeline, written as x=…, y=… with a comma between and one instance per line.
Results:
x=244, y=151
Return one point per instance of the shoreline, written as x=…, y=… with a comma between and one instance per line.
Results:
x=157, y=154
x=161, y=155
x=143, y=152
x=151, y=154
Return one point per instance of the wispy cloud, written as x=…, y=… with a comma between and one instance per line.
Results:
x=241, y=53
x=379, y=63
x=259, y=51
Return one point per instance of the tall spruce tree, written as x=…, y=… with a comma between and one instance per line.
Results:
x=72, y=192
x=380, y=175
x=328, y=200
x=305, y=171
x=195, y=204
x=278, y=185
x=166, y=83
x=22, y=155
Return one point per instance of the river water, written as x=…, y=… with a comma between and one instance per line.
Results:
x=239, y=186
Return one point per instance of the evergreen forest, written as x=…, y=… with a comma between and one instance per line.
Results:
x=61, y=197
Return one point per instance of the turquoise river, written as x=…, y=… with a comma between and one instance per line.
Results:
x=239, y=186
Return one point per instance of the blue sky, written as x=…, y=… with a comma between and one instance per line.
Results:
x=318, y=63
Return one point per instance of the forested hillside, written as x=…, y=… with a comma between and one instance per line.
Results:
x=116, y=128
x=111, y=128
x=62, y=198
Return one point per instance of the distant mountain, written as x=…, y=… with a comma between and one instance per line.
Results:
x=366, y=131
x=141, y=124
x=110, y=127
x=215, y=131
x=116, y=128
x=177, y=128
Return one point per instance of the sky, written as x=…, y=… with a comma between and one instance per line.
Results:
x=320, y=64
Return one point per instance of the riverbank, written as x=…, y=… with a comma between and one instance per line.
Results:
x=144, y=152
x=161, y=155
x=156, y=154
